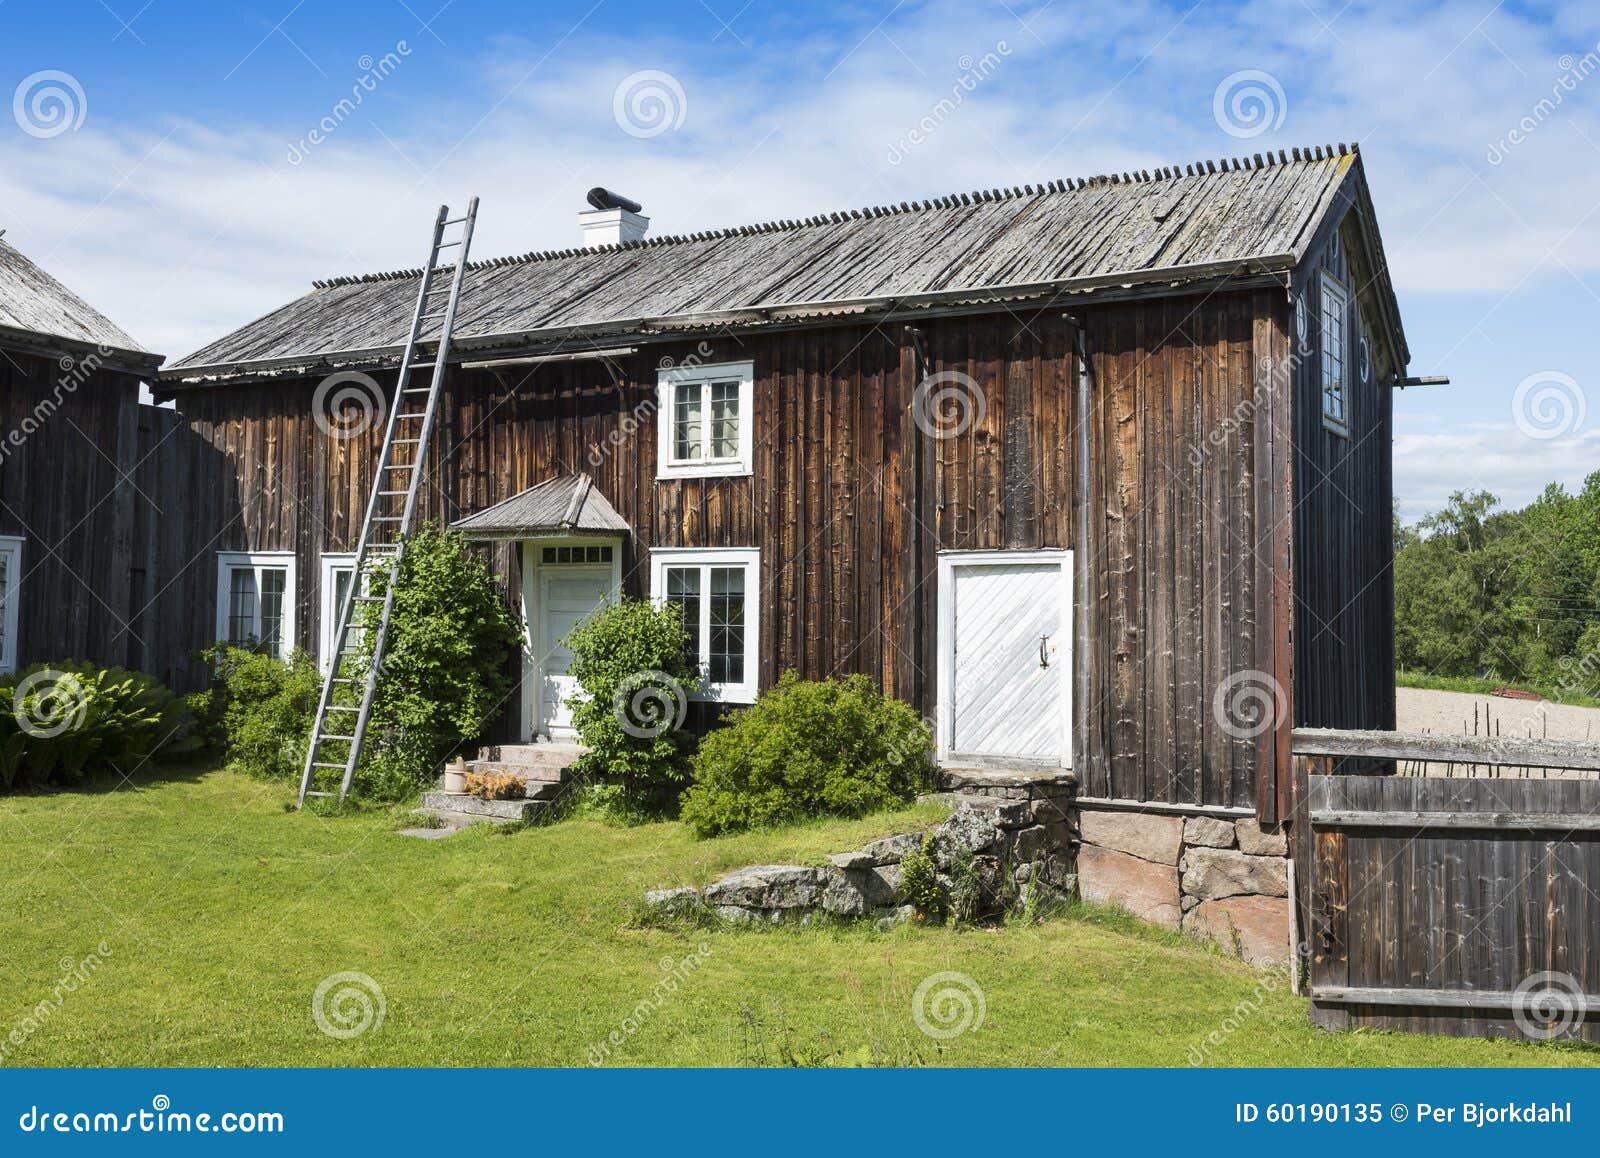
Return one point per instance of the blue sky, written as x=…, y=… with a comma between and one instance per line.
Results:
x=189, y=198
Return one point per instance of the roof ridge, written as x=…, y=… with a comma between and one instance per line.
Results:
x=1297, y=155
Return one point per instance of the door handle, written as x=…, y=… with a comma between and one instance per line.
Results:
x=1044, y=651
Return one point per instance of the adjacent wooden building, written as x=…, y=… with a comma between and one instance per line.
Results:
x=70, y=570
x=1095, y=473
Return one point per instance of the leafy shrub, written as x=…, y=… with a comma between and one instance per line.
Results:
x=834, y=748
x=257, y=713
x=61, y=722
x=920, y=881
x=634, y=671
x=446, y=669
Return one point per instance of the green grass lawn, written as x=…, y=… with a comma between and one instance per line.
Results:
x=222, y=912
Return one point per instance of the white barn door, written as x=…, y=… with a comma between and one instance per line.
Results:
x=1005, y=656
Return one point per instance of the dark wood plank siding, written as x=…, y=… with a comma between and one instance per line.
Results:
x=1181, y=552
x=852, y=499
x=67, y=431
x=1343, y=504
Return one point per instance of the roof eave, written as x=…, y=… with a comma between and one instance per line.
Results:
x=114, y=357
x=1152, y=282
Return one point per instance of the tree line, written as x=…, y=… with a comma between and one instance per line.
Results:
x=1487, y=593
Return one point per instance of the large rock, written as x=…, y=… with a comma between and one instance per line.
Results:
x=1147, y=890
x=893, y=849
x=1256, y=842
x=1214, y=873
x=857, y=892
x=1256, y=927
x=969, y=828
x=772, y=886
x=1208, y=831
x=1141, y=834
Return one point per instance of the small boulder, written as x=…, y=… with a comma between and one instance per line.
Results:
x=768, y=887
x=1208, y=831
x=1145, y=835
x=1256, y=841
x=892, y=849
x=683, y=902
x=1214, y=873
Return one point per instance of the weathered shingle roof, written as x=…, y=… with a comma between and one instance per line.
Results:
x=569, y=504
x=34, y=303
x=1208, y=219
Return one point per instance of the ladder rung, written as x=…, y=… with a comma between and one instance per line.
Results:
x=327, y=736
x=342, y=708
x=325, y=764
x=309, y=793
x=388, y=518
x=417, y=390
x=342, y=680
x=450, y=245
x=454, y=221
x=394, y=492
x=406, y=442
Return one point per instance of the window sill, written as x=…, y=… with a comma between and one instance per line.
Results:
x=724, y=694
x=728, y=468
x=1338, y=428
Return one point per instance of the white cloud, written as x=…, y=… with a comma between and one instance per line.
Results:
x=1429, y=467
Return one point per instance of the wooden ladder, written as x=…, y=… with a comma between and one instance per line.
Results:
x=339, y=729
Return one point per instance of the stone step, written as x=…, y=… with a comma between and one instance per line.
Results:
x=530, y=773
x=555, y=756
x=457, y=811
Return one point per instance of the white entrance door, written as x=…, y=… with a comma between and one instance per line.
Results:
x=1005, y=656
x=567, y=596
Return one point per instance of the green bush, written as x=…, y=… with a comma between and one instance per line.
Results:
x=919, y=880
x=64, y=721
x=257, y=714
x=446, y=672
x=634, y=671
x=828, y=748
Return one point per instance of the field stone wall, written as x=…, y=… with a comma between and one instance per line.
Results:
x=1217, y=877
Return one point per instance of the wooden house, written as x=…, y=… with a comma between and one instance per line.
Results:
x=1095, y=473
x=70, y=579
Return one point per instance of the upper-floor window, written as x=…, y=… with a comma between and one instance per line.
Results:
x=716, y=591
x=255, y=600
x=1335, y=397
x=705, y=420
x=10, y=597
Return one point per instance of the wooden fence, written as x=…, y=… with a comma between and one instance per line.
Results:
x=1468, y=907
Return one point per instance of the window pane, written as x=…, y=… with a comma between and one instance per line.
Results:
x=683, y=592
x=242, y=607
x=686, y=422
x=273, y=580
x=725, y=420
x=5, y=595
x=1333, y=327
x=726, y=658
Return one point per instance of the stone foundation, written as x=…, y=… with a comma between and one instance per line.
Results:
x=1216, y=877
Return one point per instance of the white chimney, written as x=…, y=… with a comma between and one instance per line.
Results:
x=613, y=220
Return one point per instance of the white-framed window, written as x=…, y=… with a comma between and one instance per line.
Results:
x=255, y=600
x=338, y=569
x=10, y=597
x=705, y=420
x=1335, y=397
x=718, y=591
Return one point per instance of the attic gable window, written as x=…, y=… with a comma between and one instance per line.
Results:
x=1335, y=398
x=705, y=421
